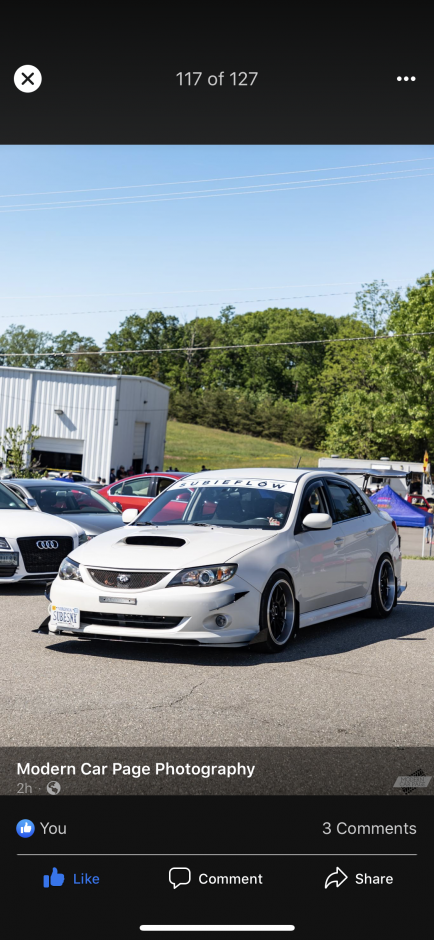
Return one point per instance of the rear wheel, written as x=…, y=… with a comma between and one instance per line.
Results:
x=383, y=589
x=279, y=615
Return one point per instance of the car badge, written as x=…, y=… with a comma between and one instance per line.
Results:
x=123, y=579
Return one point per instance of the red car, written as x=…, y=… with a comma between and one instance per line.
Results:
x=136, y=492
x=419, y=501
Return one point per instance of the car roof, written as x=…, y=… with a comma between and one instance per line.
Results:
x=176, y=474
x=46, y=481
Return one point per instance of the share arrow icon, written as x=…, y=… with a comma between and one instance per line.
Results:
x=336, y=878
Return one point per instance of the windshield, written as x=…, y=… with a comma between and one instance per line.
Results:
x=8, y=500
x=235, y=507
x=70, y=498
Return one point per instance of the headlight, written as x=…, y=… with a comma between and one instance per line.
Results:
x=204, y=577
x=84, y=538
x=4, y=544
x=69, y=570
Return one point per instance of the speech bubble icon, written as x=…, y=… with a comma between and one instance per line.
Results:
x=179, y=876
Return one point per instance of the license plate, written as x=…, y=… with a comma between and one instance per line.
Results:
x=65, y=616
x=118, y=600
x=9, y=558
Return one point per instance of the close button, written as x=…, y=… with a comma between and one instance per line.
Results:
x=27, y=78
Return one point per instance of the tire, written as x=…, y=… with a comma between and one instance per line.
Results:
x=278, y=618
x=383, y=589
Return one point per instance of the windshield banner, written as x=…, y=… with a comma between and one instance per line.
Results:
x=279, y=485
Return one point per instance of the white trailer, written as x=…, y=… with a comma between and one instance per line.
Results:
x=417, y=478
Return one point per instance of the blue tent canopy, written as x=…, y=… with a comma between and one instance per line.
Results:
x=402, y=512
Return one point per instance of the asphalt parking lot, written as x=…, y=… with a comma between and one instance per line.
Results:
x=354, y=681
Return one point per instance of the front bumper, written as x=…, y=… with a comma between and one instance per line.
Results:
x=194, y=608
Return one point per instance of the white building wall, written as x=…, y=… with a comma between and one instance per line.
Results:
x=100, y=410
x=87, y=402
x=132, y=394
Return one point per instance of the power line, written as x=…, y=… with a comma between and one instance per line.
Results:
x=196, y=290
x=216, y=179
x=75, y=313
x=219, y=195
x=109, y=200
x=190, y=349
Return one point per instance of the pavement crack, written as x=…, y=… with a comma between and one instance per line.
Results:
x=181, y=698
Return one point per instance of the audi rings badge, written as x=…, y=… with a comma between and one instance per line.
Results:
x=47, y=543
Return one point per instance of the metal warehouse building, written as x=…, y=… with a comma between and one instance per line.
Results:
x=87, y=421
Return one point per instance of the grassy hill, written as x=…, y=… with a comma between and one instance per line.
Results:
x=188, y=446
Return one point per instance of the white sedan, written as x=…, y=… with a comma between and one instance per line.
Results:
x=32, y=545
x=231, y=558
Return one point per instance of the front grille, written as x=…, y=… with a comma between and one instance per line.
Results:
x=136, y=579
x=44, y=559
x=104, y=619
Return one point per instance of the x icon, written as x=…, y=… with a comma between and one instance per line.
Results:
x=27, y=78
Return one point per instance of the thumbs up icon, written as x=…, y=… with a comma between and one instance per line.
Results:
x=55, y=879
x=25, y=828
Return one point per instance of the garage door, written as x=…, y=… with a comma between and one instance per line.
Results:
x=59, y=445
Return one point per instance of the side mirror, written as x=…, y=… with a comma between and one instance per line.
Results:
x=129, y=515
x=30, y=502
x=317, y=520
x=118, y=506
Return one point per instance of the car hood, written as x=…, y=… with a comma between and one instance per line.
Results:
x=15, y=523
x=199, y=546
x=94, y=523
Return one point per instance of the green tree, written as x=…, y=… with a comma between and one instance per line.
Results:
x=17, y=448
x=375, y=303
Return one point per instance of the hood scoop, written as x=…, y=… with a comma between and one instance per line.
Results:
x=164, y=541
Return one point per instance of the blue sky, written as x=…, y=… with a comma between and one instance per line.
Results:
x=180, y=254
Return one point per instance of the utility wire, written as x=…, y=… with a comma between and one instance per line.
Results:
x=196, y=290
x=109, y=200
x=190, y=349
x=75, y=313
x=215, y=179
x=219, y=195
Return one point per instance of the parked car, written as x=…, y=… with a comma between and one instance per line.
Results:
x=77, y=477
x=136, y=492
x=73, y=501
x=32, y=545
x=420, y=502
x=232, y=558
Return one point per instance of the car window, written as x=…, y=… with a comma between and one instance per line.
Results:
x=228, y=506
x=117, y=488
x=70, y=498
x=346, y=502
x=163, y=483
x=8, y=500
x=138, y=487
x=314, y=501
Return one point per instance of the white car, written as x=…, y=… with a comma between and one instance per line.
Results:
x=231, y=558
x=32, y=544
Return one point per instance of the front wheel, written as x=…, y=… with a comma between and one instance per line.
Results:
x=383, y=589
x=279, y=615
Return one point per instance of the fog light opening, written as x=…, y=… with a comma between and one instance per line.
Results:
x=221, y=620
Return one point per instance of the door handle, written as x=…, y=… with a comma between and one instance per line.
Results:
x=338, y=540
x=370, y=531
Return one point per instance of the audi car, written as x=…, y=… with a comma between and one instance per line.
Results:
x=32, y=545
x=232, y=558
x=73, y=501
